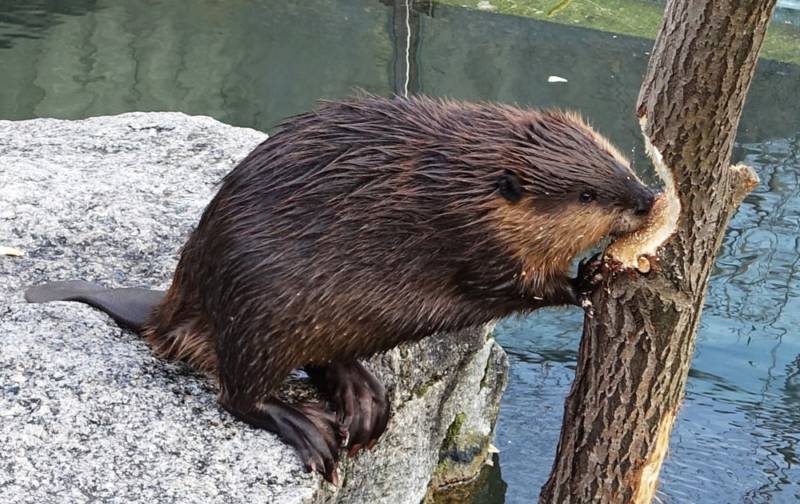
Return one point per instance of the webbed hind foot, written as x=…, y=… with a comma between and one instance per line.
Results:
x=309, y=428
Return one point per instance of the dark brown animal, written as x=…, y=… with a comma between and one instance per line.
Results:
x=369, y=223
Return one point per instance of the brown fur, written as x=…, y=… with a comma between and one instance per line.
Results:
x=368, y=223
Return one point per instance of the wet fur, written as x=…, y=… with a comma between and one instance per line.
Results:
x=372, y=222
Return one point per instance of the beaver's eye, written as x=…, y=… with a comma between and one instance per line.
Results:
x=587, y=197
x=509, y=187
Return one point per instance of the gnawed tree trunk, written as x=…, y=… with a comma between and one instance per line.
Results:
x=635, y=353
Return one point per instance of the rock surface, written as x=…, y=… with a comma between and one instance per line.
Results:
x=87, y=414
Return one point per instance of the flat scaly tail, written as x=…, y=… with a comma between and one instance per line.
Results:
x=129, y=307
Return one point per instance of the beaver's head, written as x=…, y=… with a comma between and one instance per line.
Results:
x=563, y=188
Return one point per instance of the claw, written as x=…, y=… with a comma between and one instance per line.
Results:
x=353, y=450
x=344, y=434
x=334, y=477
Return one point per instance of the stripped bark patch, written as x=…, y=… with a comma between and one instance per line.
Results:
x=633, y=250
x=648, y=477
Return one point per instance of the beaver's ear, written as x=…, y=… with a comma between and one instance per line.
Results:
x=509, y=187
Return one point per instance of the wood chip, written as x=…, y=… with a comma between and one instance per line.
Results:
x=11, y=251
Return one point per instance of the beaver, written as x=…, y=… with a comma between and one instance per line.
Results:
x=366, y=223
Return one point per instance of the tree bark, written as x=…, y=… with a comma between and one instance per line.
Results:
x=635, y=352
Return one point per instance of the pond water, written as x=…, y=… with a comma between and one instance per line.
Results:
x=251, y=63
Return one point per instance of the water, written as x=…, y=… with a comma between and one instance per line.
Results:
x=251, y=63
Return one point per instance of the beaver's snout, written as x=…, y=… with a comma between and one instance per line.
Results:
x=644, y=203
x=635, y=216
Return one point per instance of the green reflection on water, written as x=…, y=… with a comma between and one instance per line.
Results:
x=637, y=18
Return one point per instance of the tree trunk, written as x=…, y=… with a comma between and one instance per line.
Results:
x=635, y=353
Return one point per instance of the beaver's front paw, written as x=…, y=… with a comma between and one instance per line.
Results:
x=590, y=275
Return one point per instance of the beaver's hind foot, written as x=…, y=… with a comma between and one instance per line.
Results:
x=309, y=428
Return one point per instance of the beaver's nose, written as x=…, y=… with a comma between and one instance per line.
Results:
x=645, y=203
